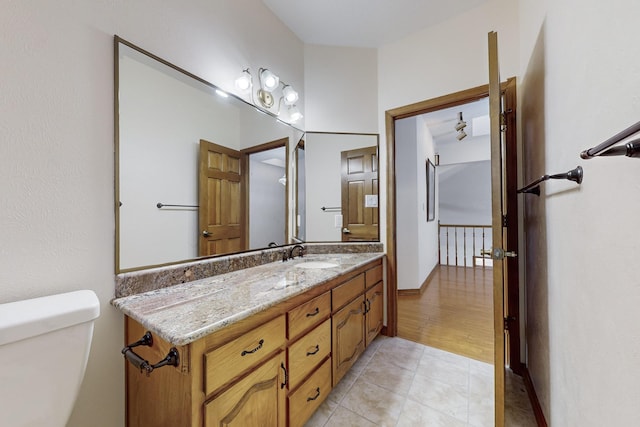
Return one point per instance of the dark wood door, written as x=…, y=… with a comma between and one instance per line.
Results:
x=360, y=194
x=220, y=200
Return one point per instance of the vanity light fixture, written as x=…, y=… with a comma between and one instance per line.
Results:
x=269, y=84
x=461, y=134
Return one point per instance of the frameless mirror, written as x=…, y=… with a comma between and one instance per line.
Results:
x=198, y=173
x=337, y=187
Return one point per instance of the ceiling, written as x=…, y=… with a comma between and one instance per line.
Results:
x=373, y=23
x=363, y=23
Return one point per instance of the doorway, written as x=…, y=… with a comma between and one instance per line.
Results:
x=435, y=104
x=444, y=282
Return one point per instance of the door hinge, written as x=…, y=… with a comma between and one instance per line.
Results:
x=507, y=322
x=503, y=119
x=505, y=222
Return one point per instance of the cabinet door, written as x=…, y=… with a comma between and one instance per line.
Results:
x=373, y=318
x=348, y=337
x=257, y=400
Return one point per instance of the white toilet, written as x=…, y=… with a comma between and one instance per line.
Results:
x=44, y=348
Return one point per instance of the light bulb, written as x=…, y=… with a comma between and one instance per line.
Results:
x=290, y=95
x=294, y=113
x=244, y=81
x=268, y=80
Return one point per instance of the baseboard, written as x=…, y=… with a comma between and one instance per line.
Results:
x=420, y=290
x=533, y=397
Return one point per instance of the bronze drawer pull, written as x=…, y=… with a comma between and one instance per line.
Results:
x=311, y=353
x=245, y=352
x=309, y=399
x=317, y=310
x=286, y=376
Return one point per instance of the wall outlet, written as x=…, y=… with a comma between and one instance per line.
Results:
x=337, y=221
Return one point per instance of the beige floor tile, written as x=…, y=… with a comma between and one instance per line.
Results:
x=378, y=405
x=448, y=398
x=414, y=414
x=402, y=353
x=450, y=371
x=481, y=410
x=322, y=414
x=388, y=376
x=341, y=389
x=342, y=417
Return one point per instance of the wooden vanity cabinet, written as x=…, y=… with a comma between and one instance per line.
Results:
x=357, y=323
x=273, y=369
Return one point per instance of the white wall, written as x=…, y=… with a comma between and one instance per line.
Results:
x=418, y=252
x=465, y=193
x=56, y=156
x=580, y=87
x=266, y=205
x=341, y=89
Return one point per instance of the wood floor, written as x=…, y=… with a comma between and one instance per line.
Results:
x=454, y=313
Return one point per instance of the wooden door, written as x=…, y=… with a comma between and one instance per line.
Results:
x=359, y=180
x=374, y=317
x=504, y=210
x=220, y=200
x=257, y=400
x=348, y=337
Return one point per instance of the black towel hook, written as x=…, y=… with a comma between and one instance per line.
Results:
x=574, y=175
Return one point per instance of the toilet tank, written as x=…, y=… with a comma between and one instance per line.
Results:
x=44, y=348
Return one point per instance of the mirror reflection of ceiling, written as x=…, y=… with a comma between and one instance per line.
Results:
x=363, y=23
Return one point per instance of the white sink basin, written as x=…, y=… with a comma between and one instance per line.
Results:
x=316, y=265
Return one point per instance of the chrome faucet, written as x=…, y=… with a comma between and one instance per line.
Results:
x=293, y=250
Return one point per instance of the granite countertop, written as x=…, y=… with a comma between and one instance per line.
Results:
x=184, y=313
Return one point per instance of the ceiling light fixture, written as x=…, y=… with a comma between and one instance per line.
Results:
x=269, y=84
x=461, y=123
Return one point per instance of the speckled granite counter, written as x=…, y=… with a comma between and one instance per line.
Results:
x=183, y=313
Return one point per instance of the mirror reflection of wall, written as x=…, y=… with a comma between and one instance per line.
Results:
x=267, y=198
x=324, y=176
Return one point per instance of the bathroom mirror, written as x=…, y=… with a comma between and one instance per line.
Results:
x=168, y=120
x=175, y=135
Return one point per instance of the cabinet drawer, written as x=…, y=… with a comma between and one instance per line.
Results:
x=373, y=275
x=307, y=352
x=344, y=293
x=227, y=362
x=311, y=313
x=304, y=402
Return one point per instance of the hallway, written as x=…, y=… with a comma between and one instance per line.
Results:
x=454, y=313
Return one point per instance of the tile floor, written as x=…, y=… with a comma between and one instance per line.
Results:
x=397, y=382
